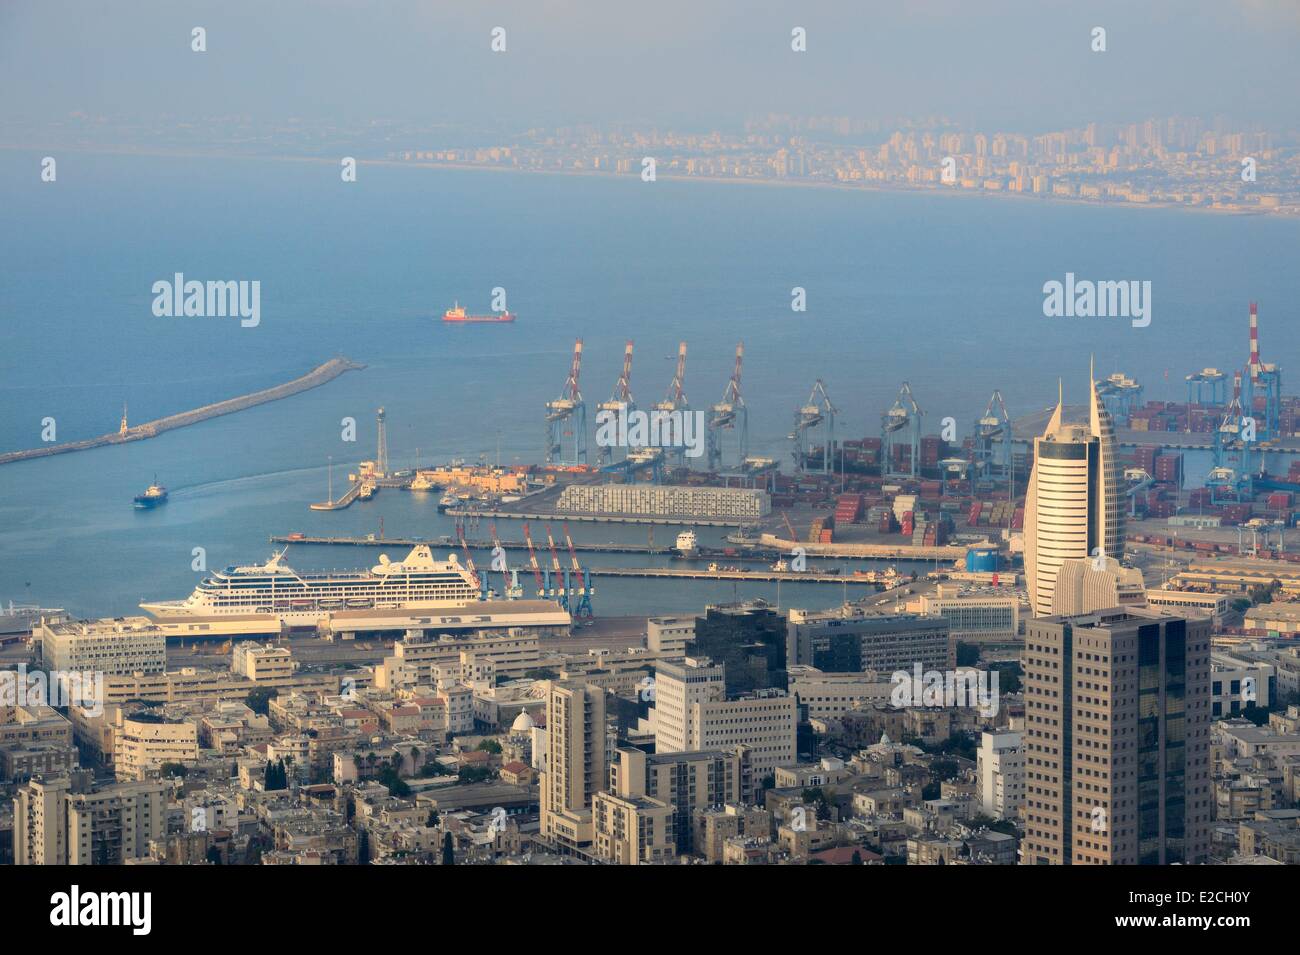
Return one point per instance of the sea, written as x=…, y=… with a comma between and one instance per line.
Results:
x=944, y=292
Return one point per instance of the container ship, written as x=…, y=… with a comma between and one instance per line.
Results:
x=458, y=315
x=153, y=495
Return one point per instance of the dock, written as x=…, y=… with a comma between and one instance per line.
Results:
x=666, y=520
x=350, y=495
x=473, y=544
x=762, y=576
x=318, y=376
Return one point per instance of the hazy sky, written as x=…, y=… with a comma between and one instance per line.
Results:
x=1019, y=64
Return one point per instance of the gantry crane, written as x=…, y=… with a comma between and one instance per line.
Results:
x=814, y=431
x=674, y=409
x=532, y=559
x=992, y=445
x=479, y=582
x=619, y=405
x=1233, y=468
x=900, y=426
x=509, y=578
x=559, y=587
x=566, y=417
x=581, y=581
x=730, y=414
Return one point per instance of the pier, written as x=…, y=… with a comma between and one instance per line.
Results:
x=318, y=376
x=762, y=576
x=665, y=520
x=473, y=544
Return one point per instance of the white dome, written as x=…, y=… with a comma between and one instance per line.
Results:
x=522, y=724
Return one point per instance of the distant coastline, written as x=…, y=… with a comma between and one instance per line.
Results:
x=668, y=177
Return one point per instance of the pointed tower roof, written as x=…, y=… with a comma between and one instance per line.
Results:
x=1055, y=424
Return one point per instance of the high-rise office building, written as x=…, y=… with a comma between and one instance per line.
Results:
x=749, y=640
x=1074, y=506
x=1116, y=739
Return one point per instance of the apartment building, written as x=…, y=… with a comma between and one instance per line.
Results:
x=66, y=821
x=116, y=646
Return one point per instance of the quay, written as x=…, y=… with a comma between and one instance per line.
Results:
x=790, y=576
x=318, y=376
x=666, y=520
x=446, y=541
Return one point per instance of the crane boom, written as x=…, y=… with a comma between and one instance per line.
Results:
x=573, y=555
x=532, y=559
x=505, y=569
x=469, y=560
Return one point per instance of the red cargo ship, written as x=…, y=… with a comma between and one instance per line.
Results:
x=457, y=314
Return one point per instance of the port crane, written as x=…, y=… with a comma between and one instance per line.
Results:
x=1199, y=382
x=566, y=417
x=560, y=588
x=992, y=445
x=676, y=405
x=583, y=608
x=730, y=414
x=814, y=430
x=1120, y=394
x=900, y=426
x=1233, y=466
x=785, y=516
x=532, y=559
x=509, y=578
x=619, y=405
x=479, y=582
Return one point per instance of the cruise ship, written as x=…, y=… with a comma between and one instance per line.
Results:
x=267, y=597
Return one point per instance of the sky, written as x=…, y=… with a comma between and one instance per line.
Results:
x=1015, y=65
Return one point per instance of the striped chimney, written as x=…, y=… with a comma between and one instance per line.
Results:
x=1254, y=342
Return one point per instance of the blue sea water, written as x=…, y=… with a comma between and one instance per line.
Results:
x=942, y=291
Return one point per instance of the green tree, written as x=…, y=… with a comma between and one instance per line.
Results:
x=213, y=855
x=490, y=746
x=259, y=698
x=448, y=851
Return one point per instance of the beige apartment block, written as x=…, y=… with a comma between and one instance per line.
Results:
x=576, y=763
x=632, y=830
x=57, y=823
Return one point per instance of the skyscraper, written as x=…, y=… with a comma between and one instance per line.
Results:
x=1074, y=506
x=1116, y=739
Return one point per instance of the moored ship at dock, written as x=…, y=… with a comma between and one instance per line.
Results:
x=266, y=598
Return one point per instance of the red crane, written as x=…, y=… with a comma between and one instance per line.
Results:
x=532, y=559
x=469, y=560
